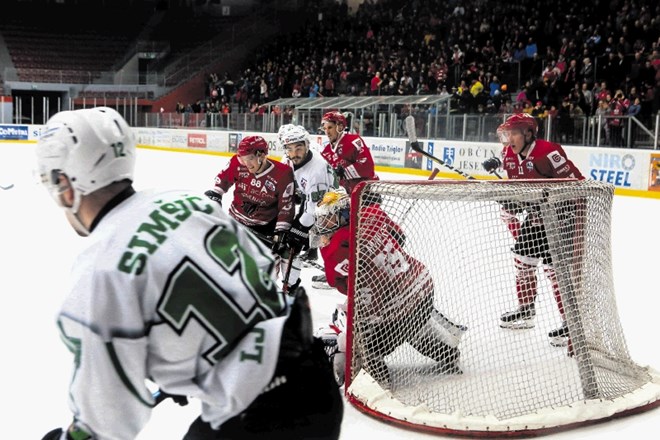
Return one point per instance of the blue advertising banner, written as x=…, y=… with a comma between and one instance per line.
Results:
x=14, y=132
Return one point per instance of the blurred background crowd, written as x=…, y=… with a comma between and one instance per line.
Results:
x=562, y=61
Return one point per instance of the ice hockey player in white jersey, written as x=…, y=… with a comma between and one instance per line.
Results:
x=313, y=176
x=172, y=291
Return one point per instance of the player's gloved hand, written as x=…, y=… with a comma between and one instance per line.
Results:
x=298, y=237
x=214, y=195
x=340, y=172
x=61, y=434
x=55, y=434
x=248, y=207
x=298, y=197
x=279, y=243
x=491, y=164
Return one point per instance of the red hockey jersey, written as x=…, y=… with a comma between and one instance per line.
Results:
x=352, y=154
x=259, y=198
x=545, y=160
x=394, y=283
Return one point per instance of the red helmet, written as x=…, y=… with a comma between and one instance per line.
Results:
x=252, y=145
x=335, y=117
x=520, y=121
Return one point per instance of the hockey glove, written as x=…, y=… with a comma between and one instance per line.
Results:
x=298, y=237
x=279, y=243
x=55, y=434
x=70, y=434
x=492, y=164
x=340, y=172
x=298, y=197
x=249, y=208
x=214, y=195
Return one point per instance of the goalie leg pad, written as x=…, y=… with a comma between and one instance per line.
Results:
x=439, y=329
x=339, y=368
x=455, y=330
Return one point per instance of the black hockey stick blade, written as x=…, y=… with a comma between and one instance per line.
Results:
x=314, y=264
x=6, y=187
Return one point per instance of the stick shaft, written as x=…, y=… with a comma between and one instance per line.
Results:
x=412, y=137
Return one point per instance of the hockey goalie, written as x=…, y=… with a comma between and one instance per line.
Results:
x=398, y=294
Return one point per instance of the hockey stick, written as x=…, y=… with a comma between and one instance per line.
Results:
x=269, y=239
x=314, y=264
x=414, y=202
x=414, y=144
x=263, y=237
x=10, y=186
x=289, y=263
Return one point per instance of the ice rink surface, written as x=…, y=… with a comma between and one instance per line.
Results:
x=38, y=247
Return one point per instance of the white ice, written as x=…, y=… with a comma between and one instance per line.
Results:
x=38, y=247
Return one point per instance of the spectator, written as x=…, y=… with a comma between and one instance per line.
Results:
x=565, y=121
x=615, y=121
x=376, y=82
x=263, y=91
x=601, y=114
x=633, y=111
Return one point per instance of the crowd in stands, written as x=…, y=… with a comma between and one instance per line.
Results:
x=545, y=58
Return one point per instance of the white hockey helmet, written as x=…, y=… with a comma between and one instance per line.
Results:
x=291, y=134
x=332, y=211
x=92, y=147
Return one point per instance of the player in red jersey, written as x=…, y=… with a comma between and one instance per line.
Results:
x=263, y=196
x=408, y=296
x=346, y=153
x=526, y=157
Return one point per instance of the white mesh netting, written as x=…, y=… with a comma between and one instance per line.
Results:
x=426, y=343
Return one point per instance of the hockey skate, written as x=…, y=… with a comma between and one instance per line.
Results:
x=523, y=318
x=309, y=256
x=449, y=364
x=320, y=282
x=559, y=336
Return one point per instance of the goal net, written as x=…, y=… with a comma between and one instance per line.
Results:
x=425, y=344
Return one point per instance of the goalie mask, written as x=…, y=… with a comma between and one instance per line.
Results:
x=332, y=212
x=91, y=147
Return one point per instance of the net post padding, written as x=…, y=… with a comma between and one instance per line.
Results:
x=511, y=383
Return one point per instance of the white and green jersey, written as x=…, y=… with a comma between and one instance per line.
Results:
x=314, y=178
x=173, y=290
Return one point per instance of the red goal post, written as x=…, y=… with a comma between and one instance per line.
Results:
x=507, y=383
